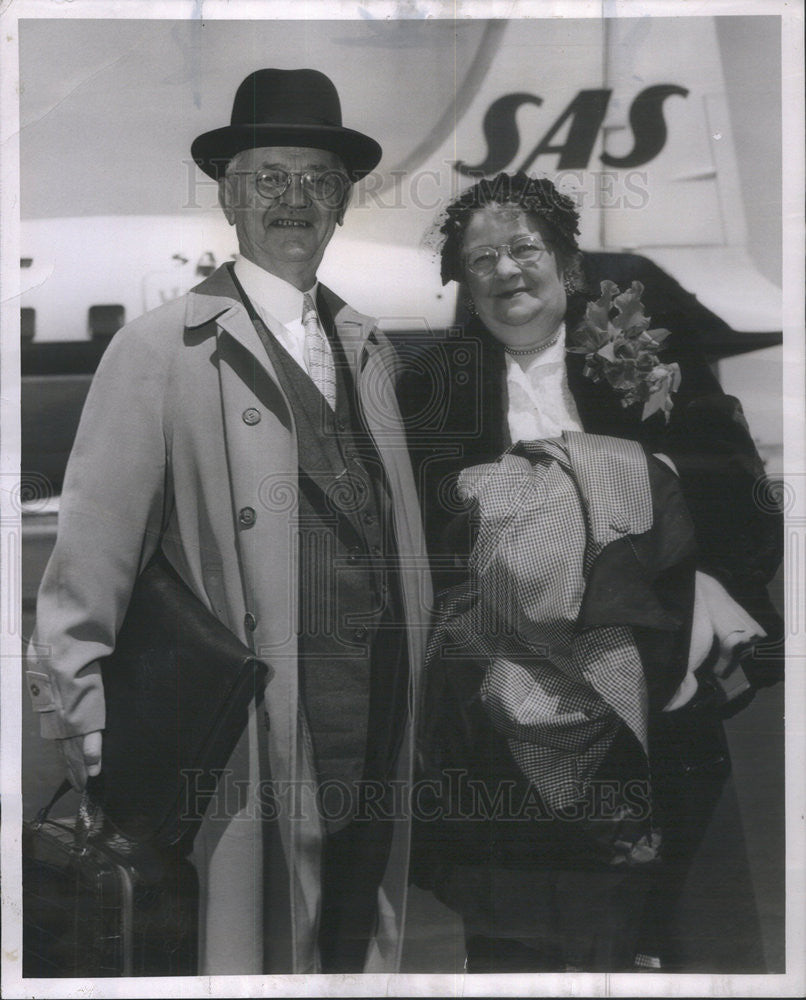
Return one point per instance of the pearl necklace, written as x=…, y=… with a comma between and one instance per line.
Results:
x=537, y=348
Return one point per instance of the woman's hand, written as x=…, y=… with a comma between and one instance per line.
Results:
x=721, y=628
x=82, y=755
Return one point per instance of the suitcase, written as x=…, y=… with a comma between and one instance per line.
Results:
x=98, y=904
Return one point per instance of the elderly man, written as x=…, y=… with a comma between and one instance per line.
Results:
x=248, y=431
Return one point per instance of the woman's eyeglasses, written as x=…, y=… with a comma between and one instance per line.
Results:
x=524, y=250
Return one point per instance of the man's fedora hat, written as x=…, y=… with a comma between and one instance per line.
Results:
x=286, y=107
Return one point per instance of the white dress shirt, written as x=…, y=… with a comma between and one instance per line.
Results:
x=278, y=303
x=540, y=400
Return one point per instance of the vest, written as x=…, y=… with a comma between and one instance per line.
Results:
x=353, y=665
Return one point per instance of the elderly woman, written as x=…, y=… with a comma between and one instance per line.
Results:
x=589, y=501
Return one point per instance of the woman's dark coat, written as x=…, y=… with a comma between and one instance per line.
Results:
x=453, y=398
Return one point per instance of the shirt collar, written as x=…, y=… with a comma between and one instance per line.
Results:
x=273, y=295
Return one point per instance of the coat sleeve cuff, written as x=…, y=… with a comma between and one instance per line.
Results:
x=53, y=723
x=51, y=726
x=41, y=691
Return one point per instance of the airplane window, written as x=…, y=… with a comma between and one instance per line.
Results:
x=27, y=323
x=106, y=320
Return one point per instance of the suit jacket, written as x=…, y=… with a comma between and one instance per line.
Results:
x=188, y=441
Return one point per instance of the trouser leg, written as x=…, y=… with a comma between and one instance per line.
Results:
x=353, y=863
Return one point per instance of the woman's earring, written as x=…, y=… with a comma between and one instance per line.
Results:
x=568, y=282
x=470, y=305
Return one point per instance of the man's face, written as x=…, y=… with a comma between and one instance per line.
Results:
x=286, y=233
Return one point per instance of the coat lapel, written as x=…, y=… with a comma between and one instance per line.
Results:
x=597, y=404
x=600, y=408
x=217, y=298
x=614, y=480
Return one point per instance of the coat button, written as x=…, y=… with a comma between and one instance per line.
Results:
x=249, y=622
x=251, y=416
x=360, y=633
x=353, y=554
x=34, y=690
x=341, y=423
x=247, y=516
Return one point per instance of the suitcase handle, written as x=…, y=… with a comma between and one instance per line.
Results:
x=44, y=812
x=85, y=816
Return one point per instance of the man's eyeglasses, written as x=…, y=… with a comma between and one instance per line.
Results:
x=524, y=250
x=330, y=186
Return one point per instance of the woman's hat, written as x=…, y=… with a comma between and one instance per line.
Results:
x=286, y=107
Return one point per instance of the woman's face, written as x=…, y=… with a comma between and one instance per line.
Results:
x=520, y=303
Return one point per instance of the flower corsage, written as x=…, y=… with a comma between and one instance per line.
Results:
x=621, y=350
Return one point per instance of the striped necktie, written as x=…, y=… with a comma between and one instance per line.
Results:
x=318, y=356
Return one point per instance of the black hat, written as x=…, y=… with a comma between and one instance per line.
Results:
x=286, y=107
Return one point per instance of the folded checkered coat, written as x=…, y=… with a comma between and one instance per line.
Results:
x=565, y=600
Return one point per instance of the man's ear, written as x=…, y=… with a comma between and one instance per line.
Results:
x=225, y=198
x=348, y=194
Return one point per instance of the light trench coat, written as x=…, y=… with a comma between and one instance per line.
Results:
x=184, y=426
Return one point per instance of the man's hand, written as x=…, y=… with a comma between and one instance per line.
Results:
x=82, y=755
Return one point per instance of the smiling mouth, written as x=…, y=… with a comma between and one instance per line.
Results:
x=290, y=223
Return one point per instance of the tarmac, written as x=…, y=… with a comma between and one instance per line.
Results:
x=725, y=930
